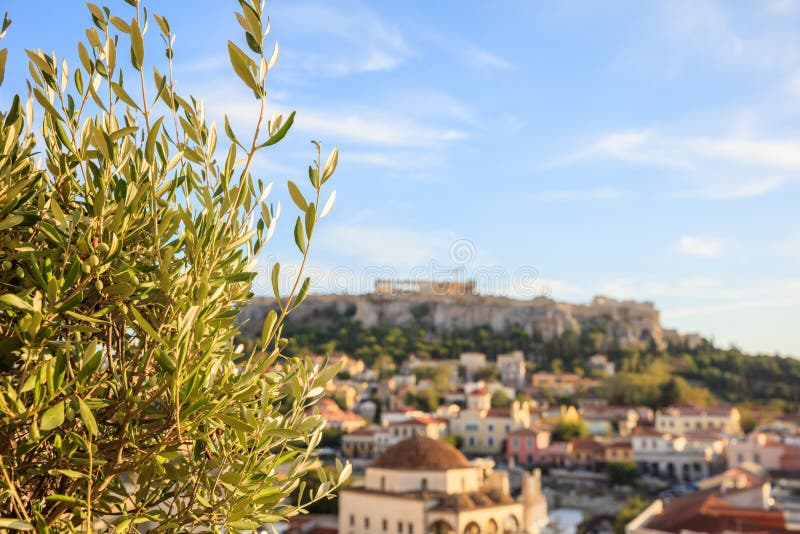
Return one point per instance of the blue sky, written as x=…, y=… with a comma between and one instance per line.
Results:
x=645, y=150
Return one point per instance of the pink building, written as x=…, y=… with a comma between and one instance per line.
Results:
x=772, y=451
x=525, y=446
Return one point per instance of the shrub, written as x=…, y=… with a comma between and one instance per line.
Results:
x=126, y=258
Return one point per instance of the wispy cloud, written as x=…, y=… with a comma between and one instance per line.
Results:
x=606, y=192
x=685, y=34
x=732, y=190
x=374, y=128
x=485, y=59
x=376, y=245
x=702, y=247
x=715, y=168
x=732, y=306
x=347, y=38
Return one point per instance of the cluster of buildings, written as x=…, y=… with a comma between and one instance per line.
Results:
x=742, y=499
x=417, y=478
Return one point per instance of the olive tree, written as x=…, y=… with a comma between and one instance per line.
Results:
x=128, y=248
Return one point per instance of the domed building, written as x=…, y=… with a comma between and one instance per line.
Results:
x=425, y=486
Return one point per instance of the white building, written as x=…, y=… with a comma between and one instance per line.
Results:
x=512, y=368
x=683, y=419
x=690, y=457
x=424, y=486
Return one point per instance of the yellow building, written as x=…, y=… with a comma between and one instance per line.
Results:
x=484, y=428
x=424, y=486
x=683, y=419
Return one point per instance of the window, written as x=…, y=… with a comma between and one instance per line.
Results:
x=507, y=427
x=471, y=427
x=411, y=528
x=491, y=427
x=385, y=524
x=383, y=483
x=471, y=440
x=491, y=441
x=399, y=527
x=366, y=522
x=530, y=443
x=515, y=444
x=424, y=484
x=352, y=520
x=757, y=458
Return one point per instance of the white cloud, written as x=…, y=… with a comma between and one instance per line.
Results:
x=374, y=128
x=744, y=189
x=484, y=58
x=715, y=168
x=605, y=192
x=617, y=143
x=731, y=307
x=348, y=38
x=385, y=245
x=781, y=154
x=702, y=247
x=783, y=7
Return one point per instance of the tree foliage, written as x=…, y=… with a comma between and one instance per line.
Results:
x=126, y=257
x=632, y=508
x=622, y=473
x=567, y=428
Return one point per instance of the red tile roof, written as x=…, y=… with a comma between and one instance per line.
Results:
x=705, y=512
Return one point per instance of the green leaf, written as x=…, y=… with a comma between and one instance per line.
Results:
x=14, y=110
x=301, y=295
x=137, y=46
x=311, y=214
x=66, y=499
x=276, y=271
x=11, y=220
x=120, y=24
x=297, y=196
x=89, y=366
x=53, y=417
x=3, y=58
x=74, y=475
x=87, y=417
x=269, y=325
x=299, y=235
x=281, y=133
x=163, y=24
x=10, y=300
x=242, y=65
x=313, y=176
x=71, y=302
x=120, y=289
x=152, y=136
x=145, y=325
x=14, y=524
x=235, y=423
x=164, y=360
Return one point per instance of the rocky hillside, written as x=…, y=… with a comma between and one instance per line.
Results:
x=630, y=323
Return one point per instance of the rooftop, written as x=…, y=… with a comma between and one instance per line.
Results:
x=421, y=453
